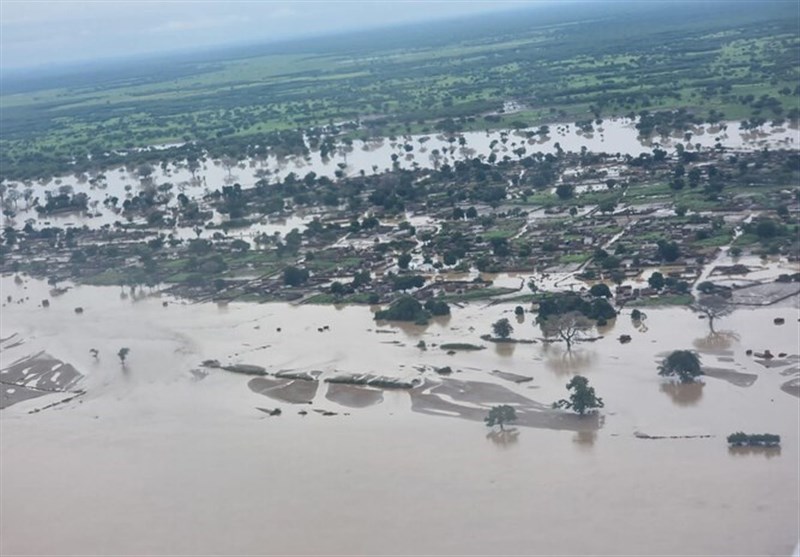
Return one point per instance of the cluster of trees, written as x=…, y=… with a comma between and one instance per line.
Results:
x=597, y=309
x=740, y=439
x=406, y=308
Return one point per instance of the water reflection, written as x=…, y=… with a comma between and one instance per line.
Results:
x=504, y=438
x=585, y=439
x=566, y=362
x=505, y=349
x=604, y=330
x=766, y=452
x=683, y=394
x=716, y=341
x=409, y=329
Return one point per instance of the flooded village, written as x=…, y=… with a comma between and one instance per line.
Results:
x=391, y=278
x=239, y=332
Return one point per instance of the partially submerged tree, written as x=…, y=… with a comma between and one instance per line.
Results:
x=502, y=328
x=713, y=306
x=123, y=354
x=404, y=308
x=582, y=399
x=568, y=326
x=500, y=415
x=683, y=364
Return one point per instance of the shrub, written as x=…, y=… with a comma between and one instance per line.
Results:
x=740, y=439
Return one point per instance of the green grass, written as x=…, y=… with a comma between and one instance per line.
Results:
x=573, y=258
x=478, y=294
x=665, y=300
x=460, y=346
x=558, y=69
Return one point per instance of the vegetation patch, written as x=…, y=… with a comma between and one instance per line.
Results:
x=460, y=346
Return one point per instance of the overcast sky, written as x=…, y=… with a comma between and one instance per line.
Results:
x=52, y=33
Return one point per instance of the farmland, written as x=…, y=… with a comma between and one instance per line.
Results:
x=526, y=68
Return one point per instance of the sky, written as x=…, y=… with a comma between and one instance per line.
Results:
x=54, y=33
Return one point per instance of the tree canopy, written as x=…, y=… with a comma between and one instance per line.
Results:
x=683, y=364
x=582, y=399
x=600, y=290
x=500, y=415
x=502, y=328
x=404, y=308
x=560, y=303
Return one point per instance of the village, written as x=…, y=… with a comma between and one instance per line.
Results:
x=645, y=226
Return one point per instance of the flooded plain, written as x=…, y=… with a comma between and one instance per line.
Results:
x=613, y=136
x=163, y=455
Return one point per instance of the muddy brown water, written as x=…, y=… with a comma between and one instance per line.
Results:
x=153, y=460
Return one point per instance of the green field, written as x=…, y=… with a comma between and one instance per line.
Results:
x=576, y=62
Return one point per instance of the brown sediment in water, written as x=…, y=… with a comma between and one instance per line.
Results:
x=478, y=397
x=166, y=444
x=767, y=452
x=513, y=377
x=778, y=362
x=683, y=394
x=353, y=396
x=792, y=387
x=35, y=376
x=293, y=391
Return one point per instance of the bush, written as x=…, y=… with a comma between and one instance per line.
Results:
x=561, y=303
x=502, y=328
x=740, y=439
x=600, y=290
x=684, y=364
x=437, y=307
x=407, y=281
x=404, y=309
x=294, y=276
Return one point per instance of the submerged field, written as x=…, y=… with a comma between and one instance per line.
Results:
x=191, y=464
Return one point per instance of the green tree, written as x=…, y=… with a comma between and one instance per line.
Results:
x=502, y=328
x=405, y=308
x=668, y=251
x=582, y=399
x=500, y=415
x=600, y=290
x=565, y=191
x=684, y=364
x=406, y=282
x=123, y=354
x=437, y=307
x=294, y=276
x=656, y=281
x=403, y=260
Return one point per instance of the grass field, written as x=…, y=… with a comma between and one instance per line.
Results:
x=574, y=62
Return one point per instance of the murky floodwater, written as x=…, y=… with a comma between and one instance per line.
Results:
x=153, y=460
x=430, y=151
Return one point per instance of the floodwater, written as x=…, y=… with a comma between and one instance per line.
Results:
x=431, y=151
x=156, y=459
